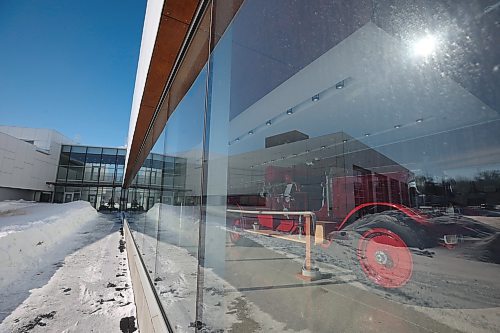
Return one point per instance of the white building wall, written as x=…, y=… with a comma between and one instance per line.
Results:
x=28, y=166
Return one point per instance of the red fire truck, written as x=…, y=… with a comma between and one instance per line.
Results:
x=375, y=207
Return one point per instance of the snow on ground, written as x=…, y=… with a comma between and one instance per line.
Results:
x=62, y=270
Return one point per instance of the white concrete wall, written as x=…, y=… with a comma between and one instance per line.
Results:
x=29, y=166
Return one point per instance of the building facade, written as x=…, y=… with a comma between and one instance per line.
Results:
x=95, y=174
x=28, y=162
x=342, y=164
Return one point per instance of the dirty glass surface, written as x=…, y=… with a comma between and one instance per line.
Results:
x=353, y=168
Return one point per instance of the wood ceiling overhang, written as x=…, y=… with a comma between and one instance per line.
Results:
x=180, y=51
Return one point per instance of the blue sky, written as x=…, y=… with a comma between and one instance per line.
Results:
x=70, y=66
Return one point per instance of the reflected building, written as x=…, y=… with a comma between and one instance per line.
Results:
x=95, y=174
x=364, y=133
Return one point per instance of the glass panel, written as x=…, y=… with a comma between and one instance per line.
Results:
x=93, y=158
x=94, y=150
x=120, y=160
x=119, y=175
x=66, y=149
x=64, y=158
x=62, y=172
x=109, y=151
x=109, y=173
x=59, y=194
x=108, y=159
x=353, y=168
x=75, y=173
x=168, y=230
x=77, y=159
x=92, y=172
x=78, y=149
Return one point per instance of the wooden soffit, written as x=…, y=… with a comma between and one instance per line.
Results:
x=176, y=20
x=174, y=23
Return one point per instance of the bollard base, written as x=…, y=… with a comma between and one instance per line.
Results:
x=309, y=275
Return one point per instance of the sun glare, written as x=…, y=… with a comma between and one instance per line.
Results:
x=425, y=46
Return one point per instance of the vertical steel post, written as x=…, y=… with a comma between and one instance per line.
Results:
x=308, y=243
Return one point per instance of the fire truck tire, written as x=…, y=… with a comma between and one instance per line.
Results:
x=383, y=255
x=408, y=231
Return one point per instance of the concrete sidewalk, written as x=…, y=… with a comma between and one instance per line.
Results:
x=268, y=279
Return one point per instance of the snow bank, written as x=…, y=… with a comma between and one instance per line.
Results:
x=34, y=237
x=178, y=224
x=25, y=243
x=90, y=292
x=8, y=207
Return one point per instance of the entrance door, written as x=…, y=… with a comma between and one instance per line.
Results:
x=92, y=198
x=68, y=196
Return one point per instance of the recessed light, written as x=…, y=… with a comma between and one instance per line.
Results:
x=237, y=139
x=316, y=158
x=315, y=98
x=308, y=151
x=289, y=111
x=345, y=140
x=250, y=132
x=420, y=120
x=397, y=126
x=295, y=154
x=367, y=134
x=340, y=85
x=268, y=123
x=323, y=147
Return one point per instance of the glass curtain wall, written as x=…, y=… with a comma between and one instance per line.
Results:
x=167, y=233
x=351, y=172
x=95, y=174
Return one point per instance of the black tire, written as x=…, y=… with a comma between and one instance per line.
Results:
x=406, y=232
x=411, y=233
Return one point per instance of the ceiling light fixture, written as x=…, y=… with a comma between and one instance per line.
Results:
x=420, y=120
x=268, y=123
x=237, y=140
x=397, y=126
x=367, y=134
x=289, y=111
x=315, y=98
x=340, y=85
x=250, y=132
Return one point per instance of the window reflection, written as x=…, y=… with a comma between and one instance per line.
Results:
x=357, y=146
x=350, y=177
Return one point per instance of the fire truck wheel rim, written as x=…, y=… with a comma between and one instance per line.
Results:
x=385, y=258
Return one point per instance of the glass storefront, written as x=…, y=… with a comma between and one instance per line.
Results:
x=342, y=172
x=95, y=174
